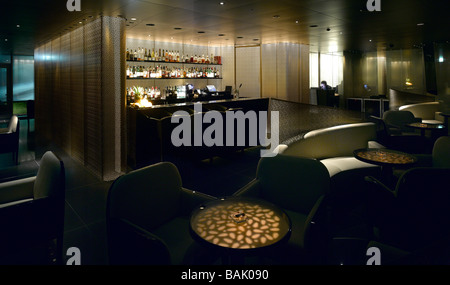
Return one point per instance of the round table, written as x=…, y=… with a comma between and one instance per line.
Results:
x=239, y=224
x=436, y=130
x=386, y=158
x=424, y=127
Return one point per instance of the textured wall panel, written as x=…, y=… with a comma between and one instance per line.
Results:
x=65, y=92
x=292, y=72
x=304, y=74
x=296, y=119
x=227, y=53
x=80, y=97
x=269, y=70
x=77, y=93
x=248, y=71
x=113, y=98
x=93, y=123
x=57, y=99
x=282, y=71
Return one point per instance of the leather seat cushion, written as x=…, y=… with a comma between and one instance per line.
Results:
x=336, y=165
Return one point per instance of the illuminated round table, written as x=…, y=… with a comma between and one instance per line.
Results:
x=239, y=224
x=386, y=158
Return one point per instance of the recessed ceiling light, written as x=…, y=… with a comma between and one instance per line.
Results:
x=276, y=16
x=201, y=32
x=18, y=26
x=256, y=40
x=296, y=21
x=149, y=35
x=151, y=25
x=420, y=24
x=133, y=19
x=6, y=40
x=240, y=37
x=177, y=28
x=80, y=22
x=171, y=38
x=313, y=26
x=370, y=40
x=222, y=3
x=221, y=35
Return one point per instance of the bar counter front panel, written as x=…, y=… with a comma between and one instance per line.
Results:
x=150, y=129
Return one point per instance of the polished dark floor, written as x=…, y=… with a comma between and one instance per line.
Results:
x=86, y=194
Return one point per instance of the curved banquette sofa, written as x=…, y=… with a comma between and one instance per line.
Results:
x=334, y=147
x=427, y=111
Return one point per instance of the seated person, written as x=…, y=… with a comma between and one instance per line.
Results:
x=324, y=85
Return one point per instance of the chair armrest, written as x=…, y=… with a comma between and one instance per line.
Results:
x=374, y=144
x=251, y=189
x=192, y=199
x=423, y=160
x=31, y=221
x=16, y=190
x=378, y=184
x=129, y=244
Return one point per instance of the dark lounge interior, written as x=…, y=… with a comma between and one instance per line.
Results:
x=115, y=153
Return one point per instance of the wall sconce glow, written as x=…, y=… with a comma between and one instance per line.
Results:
x=441, y=58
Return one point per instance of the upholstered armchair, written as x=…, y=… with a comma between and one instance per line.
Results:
x=148, y=219
x=299, y=186
x=415, y=214
x=396, y=122
x=32, y=214
x=9, y=138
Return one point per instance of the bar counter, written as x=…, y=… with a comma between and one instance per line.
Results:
x=150, y=129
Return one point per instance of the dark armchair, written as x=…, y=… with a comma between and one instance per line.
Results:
x=9, y=138
x=414, y=216
x=390, y=135
x=148, y=219
x=32, y=215
x=299, y=186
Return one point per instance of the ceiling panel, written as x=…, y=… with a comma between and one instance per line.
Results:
x=351, y=25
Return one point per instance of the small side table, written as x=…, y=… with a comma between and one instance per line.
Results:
x=239, y=225
x=386, y=158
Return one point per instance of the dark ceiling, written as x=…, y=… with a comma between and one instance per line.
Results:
x=339, y=24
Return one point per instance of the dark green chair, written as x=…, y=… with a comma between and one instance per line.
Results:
x=148, y=219
x=299, y=186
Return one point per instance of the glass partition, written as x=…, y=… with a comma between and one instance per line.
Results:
x=23, y=83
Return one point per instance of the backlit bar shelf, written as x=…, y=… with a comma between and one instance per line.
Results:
x=176, y=78
x=177, y=62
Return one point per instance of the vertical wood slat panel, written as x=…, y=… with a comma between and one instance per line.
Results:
x=93, y=97
x=269, y=68
x=77, y=94
x=113, y=96
x=57, y=99
x=65, y=93
x=304, y=74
